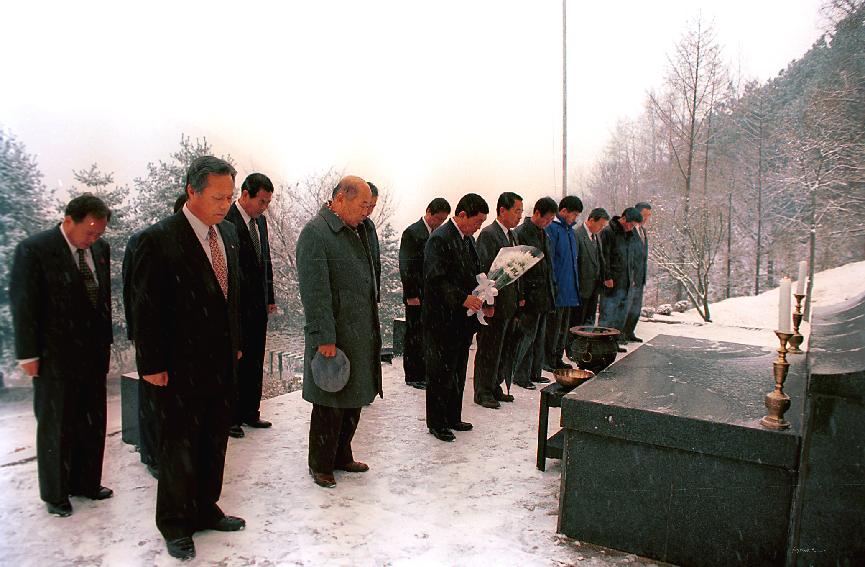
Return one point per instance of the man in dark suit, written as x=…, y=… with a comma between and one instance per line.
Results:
x=411, y=248
x=256, y=296
x=492, y=363
x=450, y=267
x=590, y=266
x=148, y=422
x=641, y=244
x=539, y=291
x=186, y=319
x=60, y=295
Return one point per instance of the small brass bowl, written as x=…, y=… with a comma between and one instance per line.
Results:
x=571, y=377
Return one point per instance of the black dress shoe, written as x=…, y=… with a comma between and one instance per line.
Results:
x=154, y=472
x=526, y=385
x=621, y=349
x=541, y=380
x=502, y=397
x=101, y=493
x=419, y=385
x=462, y=426
x=634, y=339
x=236, y=431
x=258, y=423
x=61, y=510
x=228, y=524
x=488, y=403
x=547, y=368
x=181, y=548
x=562, y=365
x=442, y=433
x=323, y=479
x=354, y=466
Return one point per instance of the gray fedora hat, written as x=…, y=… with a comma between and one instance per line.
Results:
x=331, y=374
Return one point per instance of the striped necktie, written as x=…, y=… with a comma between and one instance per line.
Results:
x=90, y=284
x=256, y=241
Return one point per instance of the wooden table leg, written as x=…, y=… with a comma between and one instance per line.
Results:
x=543, y=424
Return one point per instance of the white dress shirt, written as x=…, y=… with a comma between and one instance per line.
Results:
x=201, y=232
x=247, y=218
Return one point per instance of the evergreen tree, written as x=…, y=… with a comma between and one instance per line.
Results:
x=25, y=208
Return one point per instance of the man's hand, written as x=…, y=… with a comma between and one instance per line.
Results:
x=271, y=309
x=327, y=351
x=473, y=303
x=158, y=379
x=522, y=303
x=608, y=283
x=239, y=354
x=31, y=369
x=489, y=311
x=415, y=301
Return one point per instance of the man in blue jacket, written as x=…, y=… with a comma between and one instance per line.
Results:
x=563, y=244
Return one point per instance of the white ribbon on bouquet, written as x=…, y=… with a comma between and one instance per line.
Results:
x=487, y=292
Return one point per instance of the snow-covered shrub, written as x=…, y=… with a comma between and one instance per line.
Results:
x=682, y=306
x=647, y=312
x=665, y=309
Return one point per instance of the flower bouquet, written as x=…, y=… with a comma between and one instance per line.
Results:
x=509, y=264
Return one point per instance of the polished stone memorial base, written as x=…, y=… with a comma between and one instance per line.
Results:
x=665, y=457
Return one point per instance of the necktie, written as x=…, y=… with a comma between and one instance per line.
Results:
x=219, y=267
x=256, y=242
x=90, y=284
x=511, y=238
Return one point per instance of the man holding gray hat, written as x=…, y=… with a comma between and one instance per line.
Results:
x=338, y=291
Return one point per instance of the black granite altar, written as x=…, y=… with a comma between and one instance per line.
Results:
x=829, y=510
x=665, y=457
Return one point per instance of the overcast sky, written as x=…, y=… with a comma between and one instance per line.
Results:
x=424, y=98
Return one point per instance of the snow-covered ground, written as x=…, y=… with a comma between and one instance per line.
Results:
x=478, y=501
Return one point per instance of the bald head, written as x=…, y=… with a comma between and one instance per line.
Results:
x=351, y=186
x=352, y=200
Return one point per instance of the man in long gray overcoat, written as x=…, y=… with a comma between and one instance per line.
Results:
x=338, y=290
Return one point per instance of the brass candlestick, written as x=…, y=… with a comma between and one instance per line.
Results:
x=777, y=402
x=797, y=339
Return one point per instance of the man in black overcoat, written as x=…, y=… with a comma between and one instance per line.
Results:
x=148, y=421
x=60, y=295
x=539, y=291
x=411, y=247
x=450, y=268
x=186, y=319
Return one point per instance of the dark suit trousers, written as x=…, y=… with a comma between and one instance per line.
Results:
x=586, y=312
x=614, y=308
x=330, y=433
x=635, y=305
x=412, y=361
x=148, y=423
x=70, y=435
x=192, y=447
x=250, y=371
x=492, y=361
x=447, y=357
x=530, y=330
x=556, y=335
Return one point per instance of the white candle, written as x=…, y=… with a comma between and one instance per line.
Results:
x=803, y=273
x=784, y=316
